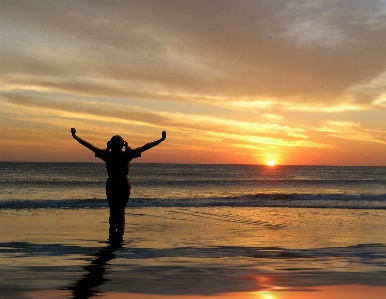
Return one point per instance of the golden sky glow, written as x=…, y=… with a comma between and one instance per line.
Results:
x=299, y=82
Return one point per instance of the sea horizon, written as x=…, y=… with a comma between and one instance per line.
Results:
x=177, y=163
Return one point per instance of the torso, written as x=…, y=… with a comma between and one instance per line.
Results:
x=117, y=165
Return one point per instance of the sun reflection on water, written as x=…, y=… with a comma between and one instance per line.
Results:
x=267, y=288
x=268, y=296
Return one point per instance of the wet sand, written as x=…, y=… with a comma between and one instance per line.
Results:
x=217, y=252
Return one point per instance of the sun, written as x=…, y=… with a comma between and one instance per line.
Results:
x=271, y=163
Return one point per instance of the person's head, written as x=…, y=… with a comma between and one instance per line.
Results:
x=116, y=143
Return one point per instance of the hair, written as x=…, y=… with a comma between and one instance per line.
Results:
x=115, y=142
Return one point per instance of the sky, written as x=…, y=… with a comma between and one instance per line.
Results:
x=236, y=82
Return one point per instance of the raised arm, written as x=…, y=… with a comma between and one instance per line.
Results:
x=151, y=144
x=83, y=142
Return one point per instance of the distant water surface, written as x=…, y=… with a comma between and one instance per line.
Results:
x=80, y=185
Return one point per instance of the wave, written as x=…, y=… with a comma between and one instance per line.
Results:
x=334, y=201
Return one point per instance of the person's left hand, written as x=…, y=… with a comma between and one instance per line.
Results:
x=163, y=134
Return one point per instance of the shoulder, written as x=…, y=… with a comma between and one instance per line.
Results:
x=133, y=153
x=102, y=154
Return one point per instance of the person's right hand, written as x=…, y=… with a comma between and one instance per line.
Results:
x=73, y=131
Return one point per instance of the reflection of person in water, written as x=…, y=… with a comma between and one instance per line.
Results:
x=86, y=286
x=118, y=185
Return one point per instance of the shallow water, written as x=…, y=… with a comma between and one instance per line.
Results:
x=182, y=251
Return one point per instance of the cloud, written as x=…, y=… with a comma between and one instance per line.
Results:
x=292, y=105
x=88, y=109
x=373, y=91
x=208, y=127
x=255, y=75
x=353, y=131
x=303, y=53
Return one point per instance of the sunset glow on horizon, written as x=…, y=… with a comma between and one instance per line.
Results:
x=271, y=163
x=231, y=82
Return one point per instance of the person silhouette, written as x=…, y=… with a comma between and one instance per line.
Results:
x=117, y=185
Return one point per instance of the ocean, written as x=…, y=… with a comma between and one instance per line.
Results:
x=82, y=185
x=194, y=232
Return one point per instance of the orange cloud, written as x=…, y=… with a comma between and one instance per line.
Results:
x=353, y=131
